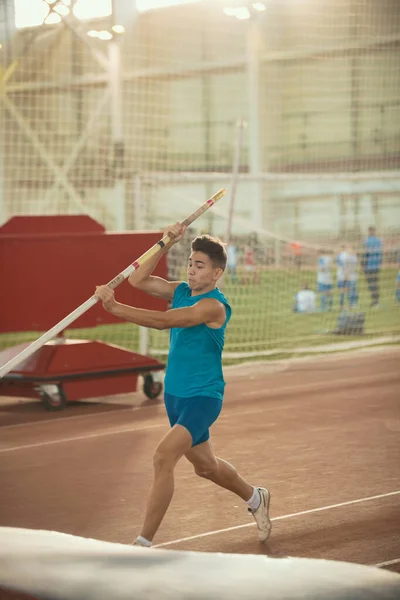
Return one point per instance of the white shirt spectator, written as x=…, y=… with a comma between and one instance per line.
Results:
x=306, y=301
x=324, y=270
x=347, y=266
x=341, y=261
x=351, y=267
x=232, y=255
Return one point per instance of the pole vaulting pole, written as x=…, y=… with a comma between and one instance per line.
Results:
x=29, y=350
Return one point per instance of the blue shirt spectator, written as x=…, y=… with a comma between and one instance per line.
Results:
x=372, y=259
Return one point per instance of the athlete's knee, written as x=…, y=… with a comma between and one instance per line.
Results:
x=164, y=460
x=206, y=469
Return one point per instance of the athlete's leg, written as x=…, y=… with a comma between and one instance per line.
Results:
x=353, y=294
x=175, y=444
x=373, y=286
x=342, y=288
x=376, y=288
x=221, y=472
x=329, y=299
x=322, y=300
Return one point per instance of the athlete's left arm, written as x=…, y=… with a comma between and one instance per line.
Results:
x=208, y=310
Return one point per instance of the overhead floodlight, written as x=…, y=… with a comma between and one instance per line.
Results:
x=145, y=5
x=244, y=9
x=104, y=35
x=85, y=10
x=240, y=12
x=230, y=12
x=33, y=13
x=52, y=19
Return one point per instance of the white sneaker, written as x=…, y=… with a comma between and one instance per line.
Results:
x=138, y=542
x=261, y=515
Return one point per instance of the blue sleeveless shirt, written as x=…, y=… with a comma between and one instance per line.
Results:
x=194, y=365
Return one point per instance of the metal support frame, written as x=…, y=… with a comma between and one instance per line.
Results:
x=118, y=147
x=41, y=150
x=254, y=114
x=62, y=172
x=139, y=222
x=254, y=61
x=123, y=12
x=209, y=68
x=140, y=225
x=3, y=213
x=98, y=56
x=240, y=127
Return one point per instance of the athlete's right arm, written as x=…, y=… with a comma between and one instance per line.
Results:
x=158, y=287
x=143, y=279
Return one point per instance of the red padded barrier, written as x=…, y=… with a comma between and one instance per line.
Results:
x=51, y=265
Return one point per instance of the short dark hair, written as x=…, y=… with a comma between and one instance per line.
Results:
x=211, y=247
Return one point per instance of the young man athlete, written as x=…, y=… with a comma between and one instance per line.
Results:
x=194, y=384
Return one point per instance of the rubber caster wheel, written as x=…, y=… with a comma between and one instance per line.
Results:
x=152, y=388
x=54, y=400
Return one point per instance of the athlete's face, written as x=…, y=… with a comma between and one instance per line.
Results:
x=202, y=275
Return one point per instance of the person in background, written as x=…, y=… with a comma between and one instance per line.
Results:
x=341, y=273
x=351, y=274
x=250, y=274
x=232, y=259
x=324, y=280
x=347, y=275
x=371, y=263
x=296, y=250
x=305, y=300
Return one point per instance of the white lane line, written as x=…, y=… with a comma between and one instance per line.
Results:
x=387, y=563
x=86, y=416
x=281, y=518
x=132, y=410
x=326, y=386
x=262, y=393
x=223, y=418
x=89, y=436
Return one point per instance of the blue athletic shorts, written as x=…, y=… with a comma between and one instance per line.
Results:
x=196, y=414
x=343, y=284
x=325, y=287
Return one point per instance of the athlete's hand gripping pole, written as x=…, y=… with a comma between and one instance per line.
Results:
x=29, y=350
